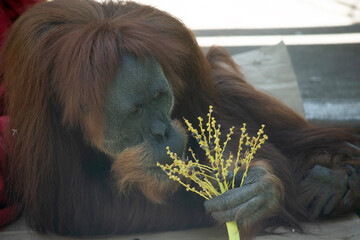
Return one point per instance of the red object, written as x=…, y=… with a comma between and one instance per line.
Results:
x=8, y=211
x=10, y=10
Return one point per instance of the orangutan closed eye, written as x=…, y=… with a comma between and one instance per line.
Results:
x=96, y=91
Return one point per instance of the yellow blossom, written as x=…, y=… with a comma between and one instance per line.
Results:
x=219, y=169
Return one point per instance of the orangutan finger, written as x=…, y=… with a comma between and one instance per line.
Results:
x=232, y=198
x=330, y=205
x=240, y=212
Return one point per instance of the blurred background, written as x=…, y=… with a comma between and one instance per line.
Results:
x=322, y=38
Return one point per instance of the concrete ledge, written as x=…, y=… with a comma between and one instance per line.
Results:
x=340, y=228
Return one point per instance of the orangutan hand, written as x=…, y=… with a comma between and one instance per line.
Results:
x=257, y=198
x=327, y=189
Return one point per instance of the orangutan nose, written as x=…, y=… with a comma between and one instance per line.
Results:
x=158, y=130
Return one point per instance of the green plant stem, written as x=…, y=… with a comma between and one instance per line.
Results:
x=232, y=227
x=233, y=230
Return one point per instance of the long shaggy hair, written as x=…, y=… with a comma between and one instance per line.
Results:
x=57, y=61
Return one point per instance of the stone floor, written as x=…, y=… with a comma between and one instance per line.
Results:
x=346, y=228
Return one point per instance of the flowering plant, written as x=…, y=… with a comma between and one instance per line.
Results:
x=219, y=174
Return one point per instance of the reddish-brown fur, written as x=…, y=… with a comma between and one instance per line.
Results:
x=57, y=61
x=128, y=174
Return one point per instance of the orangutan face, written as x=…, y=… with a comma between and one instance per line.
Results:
x=137, y=110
